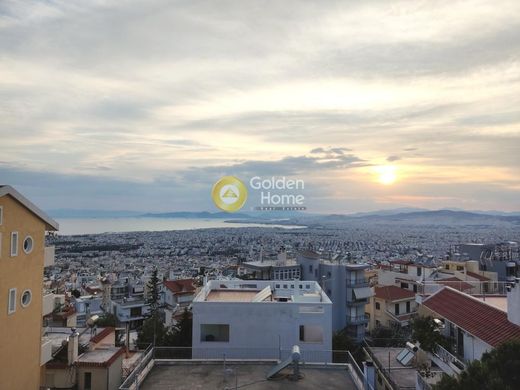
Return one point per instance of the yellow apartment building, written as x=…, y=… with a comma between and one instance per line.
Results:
x=23, y=256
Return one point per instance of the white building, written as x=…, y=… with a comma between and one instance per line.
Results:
x=262, y=319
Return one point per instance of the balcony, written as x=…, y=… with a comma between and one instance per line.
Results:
x=46, y=351
x=357, y=320
x=363, y=282
x=47, y=304
x=48, y=257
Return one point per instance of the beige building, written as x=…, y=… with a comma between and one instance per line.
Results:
x=23, y=256
x=390, y=306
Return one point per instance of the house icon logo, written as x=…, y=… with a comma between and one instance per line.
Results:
x=229, y=194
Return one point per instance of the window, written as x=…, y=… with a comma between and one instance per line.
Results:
x=396, y=309
x=447, y=266
x=214, y=332
x=378, y=306
x=311, y=334
x=11, y=306
x=419, y=271
x=408, y=307
x=415, y=288
x=28, y=244
x=88, y=381
x=277, y=286
x=136, y=312
x=26, y=298
x=14, y=244
x=460, y=268
x=404, y=285
x=310, y=268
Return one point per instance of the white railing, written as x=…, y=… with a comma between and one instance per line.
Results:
x=168, y=355
x=448, y=357
x=49, y=254
x=47, y=304
x=46, y=351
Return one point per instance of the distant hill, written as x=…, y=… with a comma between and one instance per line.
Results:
x=84, y=213
x=196, y=214
x=444, y=217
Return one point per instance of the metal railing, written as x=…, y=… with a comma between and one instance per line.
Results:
x=380, y=366
x=448, y=357
x=357, y=283
x=357, y=320
x=166, y=355
x=140, y=371
x=471, y=287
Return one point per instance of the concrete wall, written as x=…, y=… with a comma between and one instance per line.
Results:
x=20, y=336
x=260, y=326
x=474, y=348
x=61, y=378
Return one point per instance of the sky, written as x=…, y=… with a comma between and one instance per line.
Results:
x=144, y=105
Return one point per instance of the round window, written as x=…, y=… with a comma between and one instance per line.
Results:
x=28, y=244
x=26, y=298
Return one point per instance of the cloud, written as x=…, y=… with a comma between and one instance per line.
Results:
x=161, y=93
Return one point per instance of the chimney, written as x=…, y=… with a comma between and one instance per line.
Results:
x=513, y=302
x=72, y=347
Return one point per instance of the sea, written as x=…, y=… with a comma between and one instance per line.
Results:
x=74, y=226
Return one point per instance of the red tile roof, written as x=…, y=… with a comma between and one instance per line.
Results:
x=180, y=286
x=474, y=275
x=101, y=335
x=455, y=283
x=393, y=293
x=476, y=317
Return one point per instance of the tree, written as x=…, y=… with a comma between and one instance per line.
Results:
x=382, y=336
x=76, y=293
x=153, y=322
x=153, y=293
x=106, y=319
x=180, y=335
x=341, y=341
x=497, y=370
x=151, y=332
x=182, y=330
x=426, y=332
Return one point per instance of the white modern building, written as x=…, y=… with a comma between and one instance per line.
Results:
x=262, y=319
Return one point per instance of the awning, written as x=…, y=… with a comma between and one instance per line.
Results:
x=363, y=292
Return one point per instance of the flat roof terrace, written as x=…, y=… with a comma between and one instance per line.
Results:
x=211, y=376
x=231, y=296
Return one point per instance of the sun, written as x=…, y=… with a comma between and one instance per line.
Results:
x=386, y=174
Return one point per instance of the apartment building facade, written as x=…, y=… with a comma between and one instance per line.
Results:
x=23, y=255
